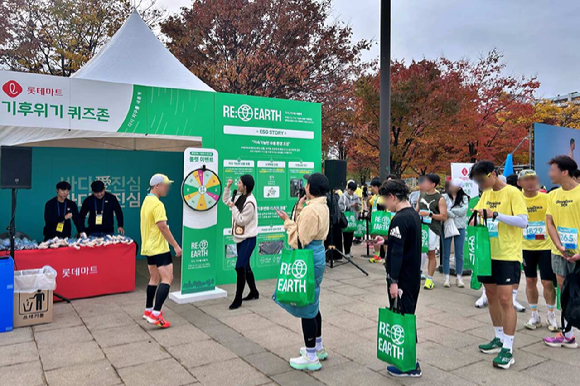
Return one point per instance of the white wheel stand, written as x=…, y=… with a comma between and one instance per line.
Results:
x=180, y=298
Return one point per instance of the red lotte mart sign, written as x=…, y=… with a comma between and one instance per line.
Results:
x=34, y=100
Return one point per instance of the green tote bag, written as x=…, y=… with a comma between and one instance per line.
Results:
x=380, y=223
x=351, y=217
x=361, y=229
x=424, y=238
x=480, y=246
x=397, y=339
x=296, y=280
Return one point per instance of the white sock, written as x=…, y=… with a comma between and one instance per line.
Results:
x=423, y=257
x=569, y=334
x=311, y=352
x=514, y=294
x=459, y=277
x=156, y=313
x=508, y=342
x=499, y=333
x=535, y=314
x=149, y=309
x=484, y=294
x=319, y=345
x=446, y=277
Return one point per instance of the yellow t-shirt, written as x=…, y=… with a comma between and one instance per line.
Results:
x=536, y=237
x=564, y=207
x=152, y=212
x=379, y=200
x=505, y=240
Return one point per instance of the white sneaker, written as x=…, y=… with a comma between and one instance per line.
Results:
x=446, y=283
x=321, y=354
x=303, y=363
x=552, y=322
x=459, y=282
x=481, y=302
x=533, y=323
x=518, y=306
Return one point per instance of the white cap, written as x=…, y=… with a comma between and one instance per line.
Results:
x=458, y=182
x=159, y=179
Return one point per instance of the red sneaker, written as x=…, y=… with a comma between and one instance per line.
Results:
x=146, y=314
x=158, y=320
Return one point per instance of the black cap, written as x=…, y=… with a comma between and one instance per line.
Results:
x=97, y=186
x=319, y=184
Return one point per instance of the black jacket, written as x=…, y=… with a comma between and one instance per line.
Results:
x=54, y=213
x=109, y=209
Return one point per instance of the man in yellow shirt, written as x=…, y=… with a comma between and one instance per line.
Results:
x=507, y=215
x=537, y=251
x=156, y=237
x=376, y=203
x=563, y=222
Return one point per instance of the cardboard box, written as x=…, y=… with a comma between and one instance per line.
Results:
x=31, y=308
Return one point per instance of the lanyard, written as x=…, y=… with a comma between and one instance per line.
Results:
x=58, y=207
x=102, y=206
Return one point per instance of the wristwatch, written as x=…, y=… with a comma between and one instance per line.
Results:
x=494, y=216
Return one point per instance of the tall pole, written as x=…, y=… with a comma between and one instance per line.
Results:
x=385, y=116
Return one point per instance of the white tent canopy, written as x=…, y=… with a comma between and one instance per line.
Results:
x=135, y=56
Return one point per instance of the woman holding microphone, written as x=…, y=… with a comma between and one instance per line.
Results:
x=244, y=231
x=310, y=225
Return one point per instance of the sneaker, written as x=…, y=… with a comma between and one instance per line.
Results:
x=146, y=314
x=561, y=341
x=446, y=283
x=375, y=259
x=459, y=282
x=519, y=307
x=158, y=320
x=552, y=322
x=481, y=302
x=504, y=359
x=393, y=371
x=533, y=323
x=303, y=363
x=348, y=256
x=492, y=347
x=423, y=277
x=429, y=285
x=321, y=354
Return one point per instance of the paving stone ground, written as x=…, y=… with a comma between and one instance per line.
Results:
x=103, y=341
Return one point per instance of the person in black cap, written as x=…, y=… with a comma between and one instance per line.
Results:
x=58, y=212
x=102, y=207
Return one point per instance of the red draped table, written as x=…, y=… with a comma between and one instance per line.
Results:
x=86, y=272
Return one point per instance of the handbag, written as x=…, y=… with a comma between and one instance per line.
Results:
x=296, y=278
x=351, y=225
x=479, y=246
x=450, y=229
x=397, y=338
x=424, y=238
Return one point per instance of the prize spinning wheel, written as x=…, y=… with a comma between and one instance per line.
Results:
x=201, y=189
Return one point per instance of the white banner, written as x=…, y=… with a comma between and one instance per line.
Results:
x=461, y=171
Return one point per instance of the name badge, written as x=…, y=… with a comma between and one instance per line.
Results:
x=99, y=219
x=427, y=219
x=493, y=228
x=568, y=237
x=536, y=230
x=60, y=227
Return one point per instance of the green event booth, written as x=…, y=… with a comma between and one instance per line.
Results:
x=82, y=130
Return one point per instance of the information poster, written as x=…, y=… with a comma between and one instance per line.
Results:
x=296, y=172
x=234, y=169
x=230, y=252
x=270, y=243
x=271, y=180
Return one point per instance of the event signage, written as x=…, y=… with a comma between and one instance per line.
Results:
x=461, y=171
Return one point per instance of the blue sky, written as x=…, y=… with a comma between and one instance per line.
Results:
x=537, y=37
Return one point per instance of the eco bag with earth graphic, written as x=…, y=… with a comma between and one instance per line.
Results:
x=479, y=245
x=296, y=281
x=397, y=338
x=380, y=223
x=424, y=238
x=361, y=229
x=351, y=217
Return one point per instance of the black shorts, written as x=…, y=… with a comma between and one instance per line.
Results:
x=543, y=259
x=503, y=273
x=160, y=260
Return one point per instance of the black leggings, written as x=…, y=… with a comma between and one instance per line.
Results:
x=312, y=329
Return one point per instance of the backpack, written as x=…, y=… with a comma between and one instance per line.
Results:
x=570, y=299
x=337, y=218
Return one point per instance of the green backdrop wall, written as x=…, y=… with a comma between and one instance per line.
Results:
x=126, y=173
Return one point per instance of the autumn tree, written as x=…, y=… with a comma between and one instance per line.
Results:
x=289, y=49
x=565, y=115
x=58, y=36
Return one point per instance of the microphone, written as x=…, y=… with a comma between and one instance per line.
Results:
x=234, y=194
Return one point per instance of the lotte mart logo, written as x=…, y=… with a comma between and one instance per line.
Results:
x=12, y=88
